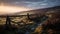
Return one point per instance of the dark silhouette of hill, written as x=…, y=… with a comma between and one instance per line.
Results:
x=38, y=11
x=56, y=8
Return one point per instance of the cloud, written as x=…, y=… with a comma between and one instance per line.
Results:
x=33, y=3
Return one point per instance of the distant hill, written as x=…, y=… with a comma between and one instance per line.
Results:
x=55, y=9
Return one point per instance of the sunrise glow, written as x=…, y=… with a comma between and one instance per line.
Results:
x=11, y=9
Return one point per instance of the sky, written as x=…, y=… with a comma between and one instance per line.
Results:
x=34, y=4
x=18, y=5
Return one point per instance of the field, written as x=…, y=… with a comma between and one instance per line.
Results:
x=38, y=23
